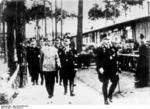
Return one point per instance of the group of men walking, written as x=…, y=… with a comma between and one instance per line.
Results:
x=59, y=60
x=52, y=61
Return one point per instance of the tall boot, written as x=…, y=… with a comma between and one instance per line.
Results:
x=111, y=90
x=105, y=94
x=71, y=86
x=65, y=89
x=72, y=90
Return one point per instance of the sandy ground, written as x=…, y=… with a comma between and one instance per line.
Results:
x=37, y=95
x=125, y=94
x=87, y=90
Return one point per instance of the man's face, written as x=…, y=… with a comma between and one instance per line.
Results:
x=33, y=44
x=58, y=42
x=66, y=42
x=49, y=43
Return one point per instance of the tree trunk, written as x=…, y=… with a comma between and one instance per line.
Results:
x=21, y=50
x=20, y=44
x=16, y=23
x=5, y=42
x=79, y=26
x=61, y=23
x=10, y=46
x=37, y=32
x=45, y=20
x=55, y=20
x=4, y=33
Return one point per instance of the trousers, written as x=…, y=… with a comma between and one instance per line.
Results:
x=50, y=81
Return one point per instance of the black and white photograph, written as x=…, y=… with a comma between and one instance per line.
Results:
x=74, y=52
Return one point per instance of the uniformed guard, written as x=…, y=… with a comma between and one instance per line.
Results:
x=106, y=66
x=33, y=59
x=142, y=70
x=67, y=58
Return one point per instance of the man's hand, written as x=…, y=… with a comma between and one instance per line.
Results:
x=101, y=70
x=119, y=70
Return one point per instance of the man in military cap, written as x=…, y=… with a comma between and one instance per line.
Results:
x=67, y=58
x=106, y=66
x=33, y=59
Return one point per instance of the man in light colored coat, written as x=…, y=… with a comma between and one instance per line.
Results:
x=50, y=63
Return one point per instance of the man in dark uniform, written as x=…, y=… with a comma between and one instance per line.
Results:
x=106, y=66
x=142, y=70
x=61, y=55
x=67, y=58
x=33, y=59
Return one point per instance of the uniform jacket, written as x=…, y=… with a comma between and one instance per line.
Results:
x=106, y=58
x=67, y=59
x=33, y=58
